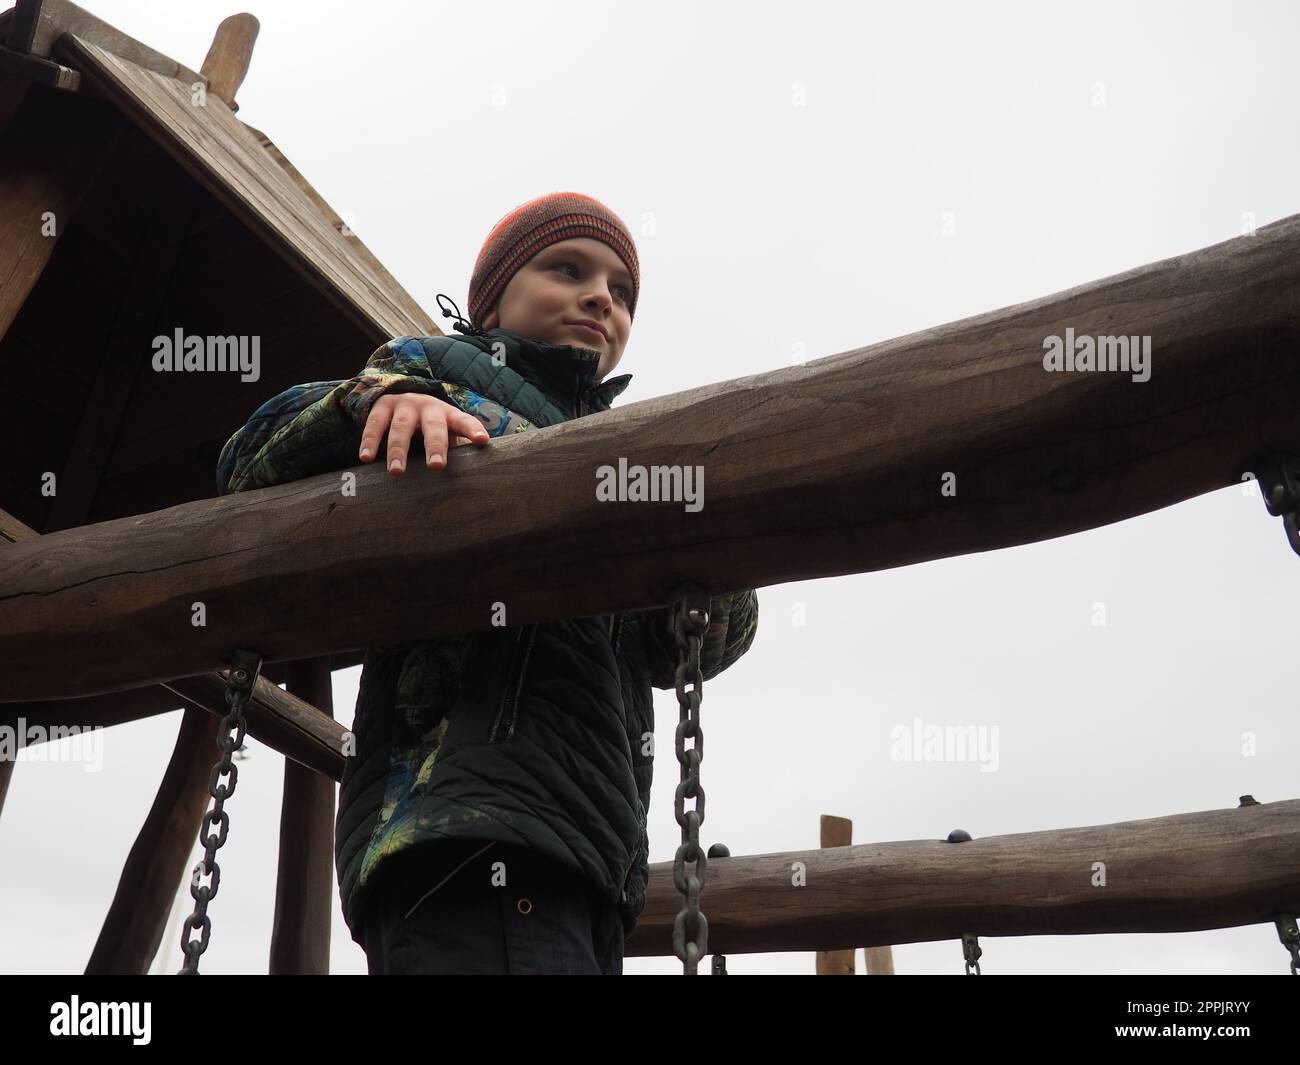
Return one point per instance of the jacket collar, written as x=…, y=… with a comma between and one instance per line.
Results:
x=563, y=372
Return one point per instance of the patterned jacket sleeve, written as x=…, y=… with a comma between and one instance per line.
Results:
x=314, y=428
x=733, y=621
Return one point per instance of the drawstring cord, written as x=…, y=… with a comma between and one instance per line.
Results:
x=462, y=325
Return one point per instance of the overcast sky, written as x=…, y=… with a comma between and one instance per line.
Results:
x=1069, y=143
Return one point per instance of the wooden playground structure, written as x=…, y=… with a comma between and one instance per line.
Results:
x=133, y=199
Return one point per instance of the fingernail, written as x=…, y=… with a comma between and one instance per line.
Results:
x=365, y=454
x=435, y=457
x=396, y=464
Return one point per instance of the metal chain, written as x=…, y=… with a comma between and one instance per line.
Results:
x=240, y=681
x=690, y=621
x=970, y=948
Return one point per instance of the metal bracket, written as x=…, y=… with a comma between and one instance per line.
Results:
x=970, y=943
x=1279, y=482
x=1288, y=931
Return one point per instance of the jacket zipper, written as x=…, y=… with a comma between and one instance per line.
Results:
x=510, y=697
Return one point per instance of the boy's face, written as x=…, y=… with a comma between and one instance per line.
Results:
x=571, y=281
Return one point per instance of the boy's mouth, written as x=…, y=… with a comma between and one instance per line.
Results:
x=589, y=327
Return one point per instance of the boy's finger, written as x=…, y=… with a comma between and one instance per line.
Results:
x=376, y=426
x=472, y=429
x=399, y=438
x=434, y=428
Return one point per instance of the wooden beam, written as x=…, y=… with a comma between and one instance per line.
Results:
x=1185, y=873
x=296, y=729
x=282, y=721
x=30, y=68
x=135, y=704
x=839, y=466
x=126, y=351
x=304, y=886
x=226, y=64
x=36, y=26
x=146, y=890
x=49, y=155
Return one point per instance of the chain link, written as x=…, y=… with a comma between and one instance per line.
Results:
x=970, y=948
x=240, y=681
x=690, y=622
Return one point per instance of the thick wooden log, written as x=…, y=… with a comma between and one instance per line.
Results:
x=1185, y=873
x=228, y=57
x=304, y=887
x=133, y=929
x=839, y=466
x=297, y=730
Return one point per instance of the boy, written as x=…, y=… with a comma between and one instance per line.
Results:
x=493, y=818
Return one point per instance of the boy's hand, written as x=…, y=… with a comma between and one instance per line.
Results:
x=401, y=415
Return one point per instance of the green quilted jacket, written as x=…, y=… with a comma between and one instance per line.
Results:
x=539, y=735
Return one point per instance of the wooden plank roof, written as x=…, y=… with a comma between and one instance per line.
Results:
x=233, y=164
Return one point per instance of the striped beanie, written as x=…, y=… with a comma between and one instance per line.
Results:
x=535, y=225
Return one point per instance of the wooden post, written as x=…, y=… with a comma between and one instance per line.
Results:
x=880, y=960
x=304, y=887
x=835, y=832
x=228, y=57
x=146, y=890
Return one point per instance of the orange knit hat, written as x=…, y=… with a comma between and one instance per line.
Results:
x=535, y=225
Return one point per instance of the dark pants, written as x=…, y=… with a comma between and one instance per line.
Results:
x=439, y=912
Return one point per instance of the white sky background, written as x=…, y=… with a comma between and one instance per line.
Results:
x=777, y=226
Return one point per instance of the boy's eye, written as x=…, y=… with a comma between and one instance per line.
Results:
x=627, y=295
